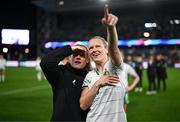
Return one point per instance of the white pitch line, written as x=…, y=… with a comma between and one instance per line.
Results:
x=23, y=90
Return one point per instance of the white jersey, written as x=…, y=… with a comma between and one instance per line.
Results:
x=128, y=70
x=2, y=64
x=108, y=103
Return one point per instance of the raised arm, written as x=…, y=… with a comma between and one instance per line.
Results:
x=110, y=21
x=49, y=63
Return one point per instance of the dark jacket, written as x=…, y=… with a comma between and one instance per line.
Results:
x=151, y=70
x=66, y=85
x=139, y=68
x=161, y=69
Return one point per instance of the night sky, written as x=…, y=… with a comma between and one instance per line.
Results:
x=17, y=14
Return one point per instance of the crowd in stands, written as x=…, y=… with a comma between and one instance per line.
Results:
x=82, y=27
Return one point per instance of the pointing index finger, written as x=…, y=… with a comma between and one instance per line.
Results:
x=106, y=11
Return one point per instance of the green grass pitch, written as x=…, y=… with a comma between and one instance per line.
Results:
x=23, y=98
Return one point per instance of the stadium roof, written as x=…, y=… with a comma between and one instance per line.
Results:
x=90, y=5
x=125, y=6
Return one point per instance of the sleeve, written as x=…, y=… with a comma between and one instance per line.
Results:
x=86, y=82
x=131, y=71
x=49, y=63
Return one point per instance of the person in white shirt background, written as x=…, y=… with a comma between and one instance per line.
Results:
x=2, y=67
x=129, y=72
x=39, y=72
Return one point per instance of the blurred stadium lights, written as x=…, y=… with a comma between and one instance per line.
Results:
x=5, y=50
x=78, y=42
x=103, y=0
x=26, y=50
x=177, y=65
x=140, y=42
x=150, y=25
x=15, y=63
x=28, y=63
x=12, y=63
x=171, y=22
x=61, y=2
x=148, y=42
x=146, y=34
x=60, y=44
x=175, y=21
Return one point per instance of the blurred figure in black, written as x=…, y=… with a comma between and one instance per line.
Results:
x=161, y=71
x=139, y=69
x=151, y=73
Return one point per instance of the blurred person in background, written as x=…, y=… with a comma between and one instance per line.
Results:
x=161, y=71
x=151, y=74
x=130, y=74
x=139, y=69
x=39, y=72
x=2, y=67
x=131, y=77
x=130, y=61
x=66, y=81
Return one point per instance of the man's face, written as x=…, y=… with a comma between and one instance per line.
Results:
x=97, y=50
x=79, y=58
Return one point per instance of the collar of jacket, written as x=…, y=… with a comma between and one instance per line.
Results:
x=81, y=72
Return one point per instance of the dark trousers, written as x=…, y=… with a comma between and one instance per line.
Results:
x=139, y=85
x=159, y=84
x=152, y=84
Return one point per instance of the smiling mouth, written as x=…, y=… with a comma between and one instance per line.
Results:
x=77, y=62
x=95, y=55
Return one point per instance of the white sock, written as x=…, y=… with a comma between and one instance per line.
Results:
x=39, y=76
